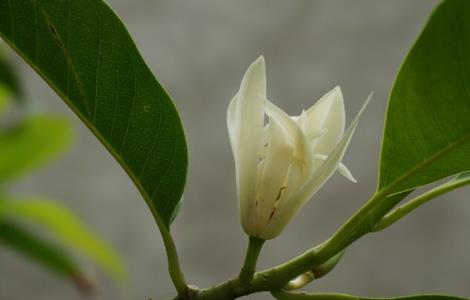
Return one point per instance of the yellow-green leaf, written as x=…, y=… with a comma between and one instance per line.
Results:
x=66, y=227
x=32, y=143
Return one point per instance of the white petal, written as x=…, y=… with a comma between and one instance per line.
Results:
x=343, y=170
x=302, y=150
x=289, y=208
x=231, y=125
x=327, y=114
x=303, y=122
x=248, y=129
x=322, y=157
x=333, y=161
x=270, y=186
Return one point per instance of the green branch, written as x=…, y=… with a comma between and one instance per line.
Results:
x=283, y=295
x=411, y=205
x=361, y=223
x=275, y=278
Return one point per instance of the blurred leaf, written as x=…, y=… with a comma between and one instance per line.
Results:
x=42, y=252
x=427, y=131
x=66, y=227
x=282, y=295
x=9, y=78
x=85, y=53
x=32, y=143
x=4, y=94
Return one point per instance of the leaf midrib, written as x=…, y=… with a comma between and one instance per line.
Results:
x=452, y=146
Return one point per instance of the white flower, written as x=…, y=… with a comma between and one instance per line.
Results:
x=280, y=165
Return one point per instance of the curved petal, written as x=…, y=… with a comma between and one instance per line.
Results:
x=247, y=129
x=287, y=209
x=342, y=169
x=302, y=150
x=271, y=183
x=231, y=125
x=331, y=163
x=327, y=114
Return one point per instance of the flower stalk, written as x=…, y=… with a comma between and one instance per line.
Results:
x=249, y=266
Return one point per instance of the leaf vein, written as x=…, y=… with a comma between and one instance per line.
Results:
x=97, y=82
x=131, y=115
x=70, y=63
x=154, y=142
x=115, y=108
x=172, y=161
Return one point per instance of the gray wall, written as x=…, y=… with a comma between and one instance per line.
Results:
x=199, y=50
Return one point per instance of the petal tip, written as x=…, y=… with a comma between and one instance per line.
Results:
x=343, y=170
x=337, y=90
x=257, y=69
x=259, y=63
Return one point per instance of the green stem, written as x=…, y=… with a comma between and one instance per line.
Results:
x=277, y=277
x=408, y=207
x=174, y=268
x=361, y=223
x=283, y=295
x=252, y=253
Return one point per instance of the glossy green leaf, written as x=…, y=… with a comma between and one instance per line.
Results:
x=85, y=53
x=31, y=144
x=66, y=227
x=427, y=130
x=282, y=295
x=43, y=252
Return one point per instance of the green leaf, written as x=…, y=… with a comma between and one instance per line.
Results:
x=44, y=253
x=427, y=131
x=66, y=227
x=84, y=52
x=9, y=78
x=31, y=144
x=283, y=295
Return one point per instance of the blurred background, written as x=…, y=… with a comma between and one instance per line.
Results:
x=199, y=51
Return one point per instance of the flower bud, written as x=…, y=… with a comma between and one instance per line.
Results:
x=282, y=163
